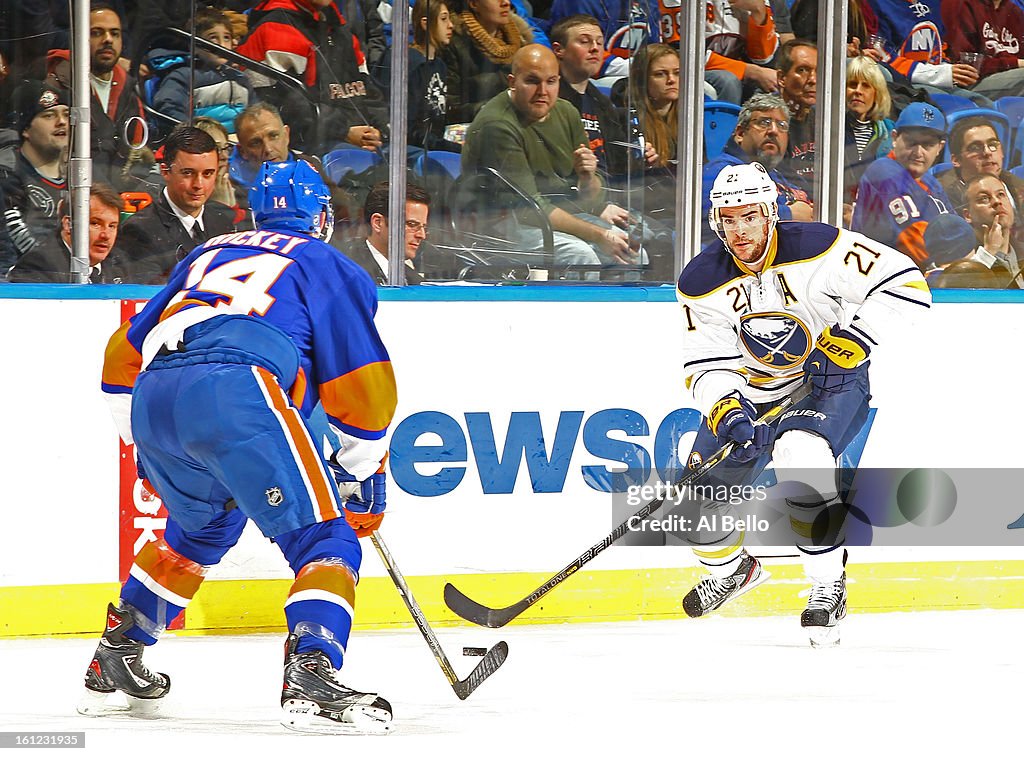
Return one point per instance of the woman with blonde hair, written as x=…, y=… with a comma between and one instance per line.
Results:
x=223, y=190
x=868, y=126
x=479, y=59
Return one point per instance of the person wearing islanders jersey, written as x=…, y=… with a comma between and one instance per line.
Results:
x=770, y=306
x=224, y=366
x=916, y=30
x=896, y=197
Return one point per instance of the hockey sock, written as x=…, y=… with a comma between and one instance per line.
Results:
x=319, y=607
x=160, y=584
x=167, y=573
x=722, y=558
x=823, y=565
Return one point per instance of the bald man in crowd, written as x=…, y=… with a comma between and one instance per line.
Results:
x=538, y=143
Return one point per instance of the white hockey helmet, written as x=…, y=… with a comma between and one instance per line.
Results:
x=741, y=185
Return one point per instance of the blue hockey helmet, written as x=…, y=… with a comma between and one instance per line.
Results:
x=291, y=195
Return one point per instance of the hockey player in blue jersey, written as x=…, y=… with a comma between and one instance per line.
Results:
x=767, y=307
x=214, y=380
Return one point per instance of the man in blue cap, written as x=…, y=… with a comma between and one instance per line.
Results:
x=896, y=198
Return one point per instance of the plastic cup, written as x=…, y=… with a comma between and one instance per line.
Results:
x=971, y=59
x=880, y=44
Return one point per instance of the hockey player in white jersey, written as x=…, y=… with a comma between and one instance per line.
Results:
x=770, y=306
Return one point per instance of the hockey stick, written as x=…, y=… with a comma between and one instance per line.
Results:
x=491, y=661
x=494, y=618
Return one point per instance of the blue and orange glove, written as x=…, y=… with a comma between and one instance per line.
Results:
x=734, y=419
x=365, y=501
x=831, y=367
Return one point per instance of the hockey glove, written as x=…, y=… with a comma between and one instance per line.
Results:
x=831, y=367
x=734, y=419
x=365, y=501
x=148, y=492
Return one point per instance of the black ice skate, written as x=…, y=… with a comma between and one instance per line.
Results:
x=826, y=607
x=712, y=593
x=314, y=701
x=117, y=667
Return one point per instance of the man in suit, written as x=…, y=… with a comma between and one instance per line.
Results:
x=181, y=217
x=371, y=253
x=50, y=261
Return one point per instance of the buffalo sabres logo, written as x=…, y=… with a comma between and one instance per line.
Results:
x=695, y=461
x=48, y=99
x=275, y=496
x=775, y=339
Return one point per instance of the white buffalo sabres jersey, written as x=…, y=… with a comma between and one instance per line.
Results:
x=752, y=332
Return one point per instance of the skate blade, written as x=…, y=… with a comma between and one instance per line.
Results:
x=98, y=704
x=303, y=716
x=823, y=637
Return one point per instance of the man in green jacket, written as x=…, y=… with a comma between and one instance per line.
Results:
x=537, y=142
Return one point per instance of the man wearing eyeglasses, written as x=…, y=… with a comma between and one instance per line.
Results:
x=896, y=198
x=371, y=253
x=761, y=135
x=975, y=149
x=181, y=217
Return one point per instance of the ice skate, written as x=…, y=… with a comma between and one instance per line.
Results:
x=117, y=667
x=712, y=593
x=314, y=701
x=826, y=607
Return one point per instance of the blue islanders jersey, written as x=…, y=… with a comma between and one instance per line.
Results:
x=894, y=208
x=321, y=300
x=627, y=25
x=916, y=30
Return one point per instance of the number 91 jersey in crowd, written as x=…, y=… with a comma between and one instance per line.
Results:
x=319, y=299
x=752, y=332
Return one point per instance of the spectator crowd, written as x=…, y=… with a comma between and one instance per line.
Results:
x=540, y=136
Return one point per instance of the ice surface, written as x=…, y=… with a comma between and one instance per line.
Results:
x=921, y=685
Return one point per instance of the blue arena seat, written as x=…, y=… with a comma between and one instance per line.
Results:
x=950, y=104
x=1017, y=171
x=1013, y=107
x=940, y=167
x=432, y=162
x=719, y=122
x=342, y=161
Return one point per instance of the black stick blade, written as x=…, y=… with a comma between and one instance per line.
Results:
x=490, y=663
x=479, y=614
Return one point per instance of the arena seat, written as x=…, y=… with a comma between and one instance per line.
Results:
x=719, y=122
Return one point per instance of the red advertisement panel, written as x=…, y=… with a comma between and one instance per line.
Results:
x=142, y=516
